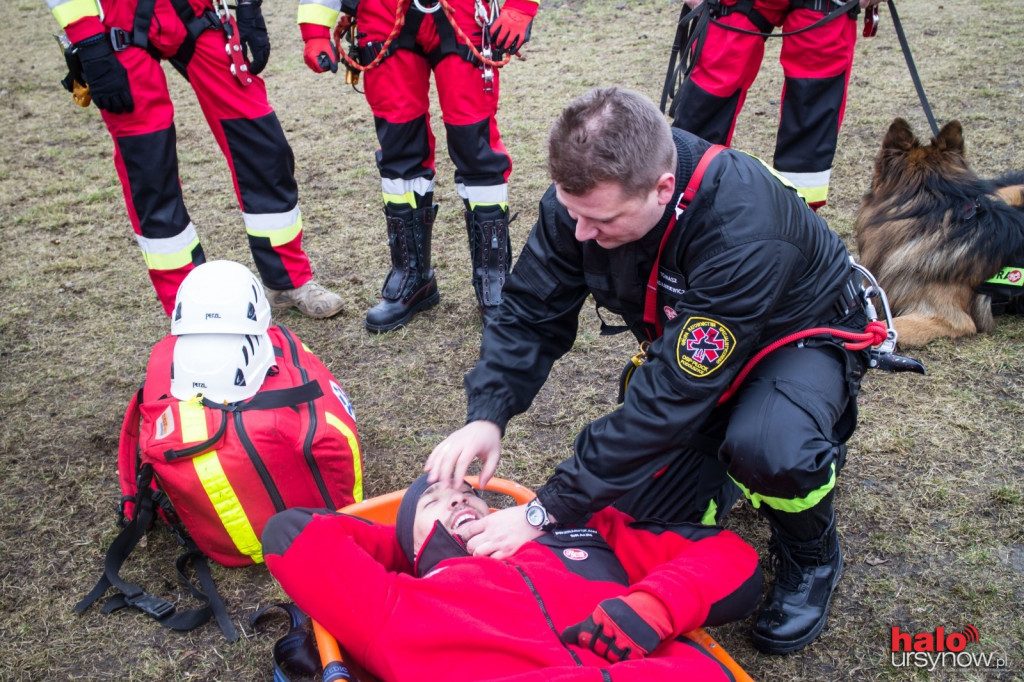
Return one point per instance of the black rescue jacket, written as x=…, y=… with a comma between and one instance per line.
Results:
x=746, y=264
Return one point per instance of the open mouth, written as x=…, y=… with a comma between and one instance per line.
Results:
x=462, y=518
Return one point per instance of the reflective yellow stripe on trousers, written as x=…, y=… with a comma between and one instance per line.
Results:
x=215, y=483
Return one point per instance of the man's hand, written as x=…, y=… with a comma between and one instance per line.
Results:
x=500, y=534
x=511, y=29
x=864, y=4
x=319, y=54
x=692, y=4
x=451, y=458
x=252, y=33
x=106, y=77
x=623, y=628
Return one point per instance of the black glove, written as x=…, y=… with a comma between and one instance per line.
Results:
x=105, y=76
x=252, y=33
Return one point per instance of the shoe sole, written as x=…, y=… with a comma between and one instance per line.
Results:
x=767, y=645
x=428, y=302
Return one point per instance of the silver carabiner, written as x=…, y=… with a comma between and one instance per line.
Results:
x=426, y=10
x=484, y=16
x=874, y=289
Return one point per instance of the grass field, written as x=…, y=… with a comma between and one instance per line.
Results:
x=930, y=504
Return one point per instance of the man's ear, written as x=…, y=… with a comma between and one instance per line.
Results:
x=665, y=187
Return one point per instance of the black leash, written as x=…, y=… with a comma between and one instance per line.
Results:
x=913, y=70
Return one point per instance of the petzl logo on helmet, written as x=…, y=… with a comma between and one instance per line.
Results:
x=213, y=316
x=575, y=554
x=704, y=345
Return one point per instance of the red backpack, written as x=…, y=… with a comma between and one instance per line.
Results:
x=216, y=473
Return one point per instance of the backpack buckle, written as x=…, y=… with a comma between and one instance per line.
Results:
x=120, y=39
x=150, y=605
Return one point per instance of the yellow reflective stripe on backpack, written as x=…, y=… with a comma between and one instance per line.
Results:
x=357, y=459
x=216, y=484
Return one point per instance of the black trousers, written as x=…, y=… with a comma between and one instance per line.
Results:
x=779, y=441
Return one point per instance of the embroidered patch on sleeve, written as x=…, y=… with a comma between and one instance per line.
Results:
x=704, y=344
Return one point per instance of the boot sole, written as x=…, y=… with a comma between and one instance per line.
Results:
x=767, y=645
x=428, y=302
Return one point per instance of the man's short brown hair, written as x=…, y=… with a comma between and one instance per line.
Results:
x=610, y=135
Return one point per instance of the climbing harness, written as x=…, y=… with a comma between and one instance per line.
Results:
x=483, y=14
x=692, y=30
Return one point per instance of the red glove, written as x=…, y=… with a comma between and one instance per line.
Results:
x=623, y=628
x=319, y=53
x=511, y=29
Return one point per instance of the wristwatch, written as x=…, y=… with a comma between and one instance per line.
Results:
x=537, y=516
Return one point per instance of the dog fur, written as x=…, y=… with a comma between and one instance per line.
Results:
x=932, y=231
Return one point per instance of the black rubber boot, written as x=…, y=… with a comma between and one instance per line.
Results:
x=806, y=573
x=410, y=286
x=490, y=249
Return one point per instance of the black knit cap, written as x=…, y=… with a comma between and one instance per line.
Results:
x=407, y=514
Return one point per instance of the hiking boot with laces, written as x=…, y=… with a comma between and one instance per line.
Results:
x=806, y=573
x=310, y=299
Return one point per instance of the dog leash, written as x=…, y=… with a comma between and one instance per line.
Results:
x=905, y=46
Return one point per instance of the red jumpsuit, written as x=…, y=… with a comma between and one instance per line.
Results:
x=474, y=618
x=816, y=65
x=397, y=90
x=145, y=154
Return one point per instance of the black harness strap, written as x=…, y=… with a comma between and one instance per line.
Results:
x=139, y=36
x=406, y=40
x=161, y=610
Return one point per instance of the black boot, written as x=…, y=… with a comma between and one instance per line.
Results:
x=806, y=573
x=490, y=250
x=410, y=286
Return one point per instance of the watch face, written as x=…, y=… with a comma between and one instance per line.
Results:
x=535, y=516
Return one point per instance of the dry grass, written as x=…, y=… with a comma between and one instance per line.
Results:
x=931, y=502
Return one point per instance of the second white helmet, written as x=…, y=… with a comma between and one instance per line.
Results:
x=220, y=297
x=225, y=368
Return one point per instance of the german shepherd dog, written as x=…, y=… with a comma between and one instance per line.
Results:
x=932, y=232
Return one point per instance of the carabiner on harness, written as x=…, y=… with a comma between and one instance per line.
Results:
x=484, y=18
x=423, y=8
x=233, y=46
x=884, y=356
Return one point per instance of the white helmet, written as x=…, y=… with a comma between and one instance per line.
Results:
x=225, y=368
x=220, y=297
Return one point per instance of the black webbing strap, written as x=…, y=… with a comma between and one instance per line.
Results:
x=140, y=27
x=265, y=400
x=161, y=610
x=139, y=35
x=851, y=6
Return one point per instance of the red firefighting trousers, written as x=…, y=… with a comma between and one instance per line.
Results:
x=816, y=65
x=249, y=135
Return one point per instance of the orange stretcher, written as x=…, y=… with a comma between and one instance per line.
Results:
x=384, y=509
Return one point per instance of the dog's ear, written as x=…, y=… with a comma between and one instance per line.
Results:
x=951, y=138
x=900, y=137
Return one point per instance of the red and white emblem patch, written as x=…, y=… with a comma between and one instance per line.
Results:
x=1014, y=276
x=670, y=312
x=704, y=345
x=575, y=554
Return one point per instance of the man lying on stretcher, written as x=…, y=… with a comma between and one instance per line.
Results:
x=407, y=602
